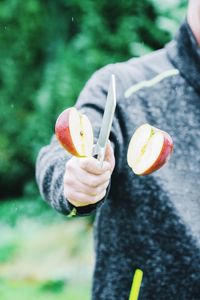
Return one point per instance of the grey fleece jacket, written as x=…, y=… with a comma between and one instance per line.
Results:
x=149, y=222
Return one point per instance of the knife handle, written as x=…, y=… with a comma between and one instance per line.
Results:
x=99, y=153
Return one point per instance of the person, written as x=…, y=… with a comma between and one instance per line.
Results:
x=148, y=222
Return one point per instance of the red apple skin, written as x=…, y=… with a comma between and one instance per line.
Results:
x=63, y=132
x=164, y=154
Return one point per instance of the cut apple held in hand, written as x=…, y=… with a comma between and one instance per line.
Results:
x=75, y=133
x=149, y=149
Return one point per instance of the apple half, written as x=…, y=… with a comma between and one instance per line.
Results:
x=74, y=132
x=149, y=149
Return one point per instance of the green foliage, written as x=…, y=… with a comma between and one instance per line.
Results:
x=43, y=255
x=55, y=286
x=23, y=290
x=8, y=250
x=14, y=210
x=48, y=51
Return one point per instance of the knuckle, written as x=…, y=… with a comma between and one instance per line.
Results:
x=107, y=176
x=69, y=194
x=82, y=197
x=68, y=167
x=94, y=182
x=91, y=200
x=98, y=191
x=104, y=193
x=87, y=199
x=100, y=179
x=101, y=188
x=100, y=196
x=87, y=190
x=84, y=163
x=106, y=184
x=68, y=181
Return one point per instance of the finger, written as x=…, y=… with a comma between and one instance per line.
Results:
x=86, y=189
x=74, y=174
x=81, y=199
x=93, y=166
x=109, y=156
x=89, y=165
x=88, y=179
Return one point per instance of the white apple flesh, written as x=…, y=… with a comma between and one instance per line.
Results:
x=75, y=133
x=149, y=149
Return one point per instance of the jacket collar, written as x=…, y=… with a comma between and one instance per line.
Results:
x=184, y=53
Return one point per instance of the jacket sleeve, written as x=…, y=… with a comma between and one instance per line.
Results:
x=51, y=161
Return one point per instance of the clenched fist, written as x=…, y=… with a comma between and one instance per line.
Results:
x=85, y=181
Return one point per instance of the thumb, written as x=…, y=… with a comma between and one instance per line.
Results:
x=109, y=156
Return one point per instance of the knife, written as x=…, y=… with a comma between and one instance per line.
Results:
x=107, y=121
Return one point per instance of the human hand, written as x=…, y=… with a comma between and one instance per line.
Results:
x=85, y=181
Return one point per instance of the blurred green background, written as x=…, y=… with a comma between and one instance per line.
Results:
x=48, y=50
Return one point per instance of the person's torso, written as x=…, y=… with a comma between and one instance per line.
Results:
x=152, y=222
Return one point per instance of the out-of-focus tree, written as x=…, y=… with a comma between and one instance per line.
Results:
x=48, y=49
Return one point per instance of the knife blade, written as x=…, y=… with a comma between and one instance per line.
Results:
x=107, y=120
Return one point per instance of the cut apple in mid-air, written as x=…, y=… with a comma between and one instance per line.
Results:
x=149, y=149
x=75, y=133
